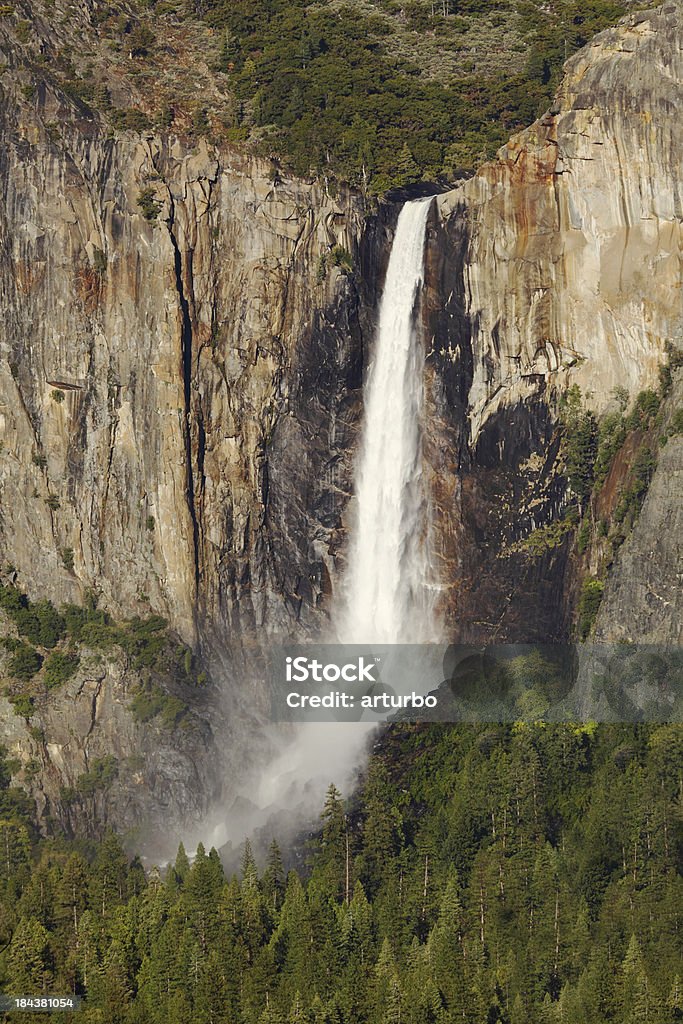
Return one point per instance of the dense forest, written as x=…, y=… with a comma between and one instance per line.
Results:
x=327, y=80
x=519, y=875
x=377, y=93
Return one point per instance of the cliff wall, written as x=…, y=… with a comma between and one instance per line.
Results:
x=182, y=347
x=178, y=358
x=557, y=264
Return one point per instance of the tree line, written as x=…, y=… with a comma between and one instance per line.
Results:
x=512, y=874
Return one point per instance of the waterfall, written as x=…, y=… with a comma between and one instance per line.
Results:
x=387, y=598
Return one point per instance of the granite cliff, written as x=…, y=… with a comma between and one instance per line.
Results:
x=184, y=334
x=558, y=264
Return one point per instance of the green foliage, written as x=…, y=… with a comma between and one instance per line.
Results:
x=40, y=623
x=148, y=204
x=200, y=119
x=611, y=436
x=589, y=604
x=511, y=875
x=102, y=772
x=23, y=30
x=150, y=523
x=633, y=496
x=321, y=272
x=547, y=538
x=22, y=704
x=140, y=41
x=99, y=261
x=57, y=395
x=645, y=409
x=131, y=119
x=583, y=536
x=328, y=88
x=53, y=502
x=39, y=460
x=579, y=443
x=145, y=642
x=151, y=701
x=60, y=666
x=24, y=663
x=341, y=257
x=68, y=558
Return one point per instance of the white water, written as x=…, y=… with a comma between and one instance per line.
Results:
x=387, y=597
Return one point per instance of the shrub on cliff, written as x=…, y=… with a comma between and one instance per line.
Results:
x=676, y=424
x=60, y=666
x=645, y=409
x=40, y=623
x=22, y=704
x=634, y=494
x=148, y=204
x=24, y=663
x=100, y=775
x=611, y=436
x=589, y=604
x=579, y=443
x=151, y=701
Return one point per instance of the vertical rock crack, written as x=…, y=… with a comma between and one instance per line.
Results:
x=186, y=361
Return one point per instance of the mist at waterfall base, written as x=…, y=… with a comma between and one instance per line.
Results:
x=387, y=595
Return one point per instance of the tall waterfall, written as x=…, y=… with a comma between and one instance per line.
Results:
x=387, y=598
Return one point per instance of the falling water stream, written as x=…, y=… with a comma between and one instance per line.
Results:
x=387, y=597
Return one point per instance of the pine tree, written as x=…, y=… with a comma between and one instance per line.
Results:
x=15, y=850
x=445, y=948
x=108, y=880
x=407, y=171
x=675, y=999
x=203, y=886
x=29, y=961
x=252, y=906
x=182, y=863
x=273, y=880
x=386, y=993
x=382, y=836
x=71, y=893
x=292, y=941
x=229, y=52
x=636, y=999
x=334, y=860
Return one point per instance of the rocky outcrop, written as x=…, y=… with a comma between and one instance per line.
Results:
x=184, y=339
x=181, y=348
x=90, y=762
x=643, y=601
x=557, y=264
x=573, y=235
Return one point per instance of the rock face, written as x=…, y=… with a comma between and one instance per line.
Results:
x=182, y=349
x=557, y=264
x=573, y=236
x=181, y=358
x=89, y=764
x=644, y=597
x=178, y=361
